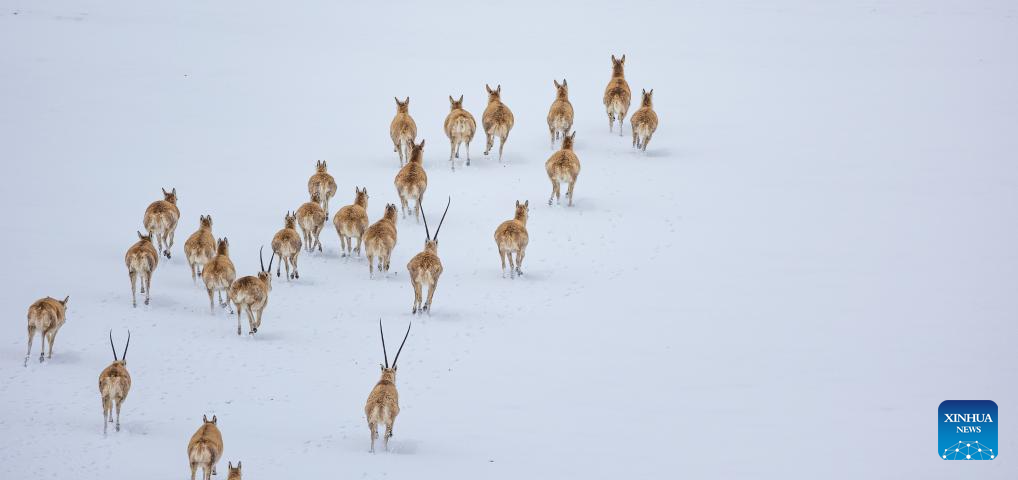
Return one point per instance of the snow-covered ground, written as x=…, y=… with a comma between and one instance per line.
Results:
x=817, y=249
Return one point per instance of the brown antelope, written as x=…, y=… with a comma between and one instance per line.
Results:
x=233, y=472
x=380, y=239
x=644, y=121
x=286, y=245
x=46, y=315
x=141, y=260
x=323, y=183
x=426, y=267
x=219, y=274
x=497, y=120
x=459, y=127
x=311, y=218
x=403, y=130
x=617, y=94
x=563, y=167
x=205, y=448
x=251, y=294
x=382, y=406
x=200, y=247
x=114, y=384
x=412, y=181
x=560, y=115
x=161, y=220
x=511, y=237
x=351, y=221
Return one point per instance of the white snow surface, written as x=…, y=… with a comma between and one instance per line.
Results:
x=818, y=247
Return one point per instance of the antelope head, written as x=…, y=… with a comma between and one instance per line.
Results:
x=205, y=221
x=390, y=212
x=223, y=247
x=316, y=197
x=206, y=420
x=618, y=66
x=523, y=210
x=431, y=243
x=389, y=373
x=361, y=197
x=455, y=104
x=290, y=220
x=404, y=106
x=417, y=152
x=321, y=167
x=170, y=196
x=562, y=90
x=233, y=473
x=648, y=98
x=567, y=142
x=265, y=275
x=494, y=95
x=123, y=356
x=145, y=238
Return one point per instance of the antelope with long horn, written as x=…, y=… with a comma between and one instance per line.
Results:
x=382, y=406
x=497, y=120
x=644, y=121
x=380, y=239
x=459, y=127
x=403, y=130
x=114, y=384
x=46, y=315
x=351, y=221
x=426, y=267
x=200, y=247
x=205, y=448
x=311, y=218
x=563, y=167
x=141, y=259
x=617, y=95
x=322, y=183
x=219, y=274
x=286, y=245
x=511, y=237
x=251, y=294
x=560, y=115
x=161, y=220
x=412, y=181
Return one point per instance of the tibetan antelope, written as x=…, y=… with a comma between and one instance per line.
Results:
x=563, y=167
x=412, y=181
x=511, y=237
x=251, y=294
x=351, y=221
x=426, y=267
x=497, y=120
x=200, y=247
x=205, y=448
x=323, y=183
x=114, y=384
x=161, y=220
x=459, y=127
x=617, y=94
x=403, y=130
x=380, y=239
x=286, y=245
x=644, y=121
x=560, y=115
x=46, y=315
x=219, y=274
x=233, y=473
x=382, y=406
x=142, y=259
x=311, y=218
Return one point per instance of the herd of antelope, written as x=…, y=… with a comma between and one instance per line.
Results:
x=209, y=257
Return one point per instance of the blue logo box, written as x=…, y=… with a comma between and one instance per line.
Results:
x=967, y=430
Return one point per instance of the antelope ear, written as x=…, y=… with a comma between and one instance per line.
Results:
x=623, y=59
x=526, y=204
x=174, y=192
x=204, y=418
x=65, y=300
x=451, y=101
x=644, y=91
x=422, y=144
x=498, y=89
x=517, y=203
x=461, y=98
x=382, y=367
x=651, y=92
x=229, y=464
x=564, y=83
x=573, y=136
x=397, y=101
x=407, y=101
x=324, y=164
x=164, y=191
x=238, y=465
x=140, y=236
x=613, y=58
x=214, y=419
x=486, y=87
x=556, y=84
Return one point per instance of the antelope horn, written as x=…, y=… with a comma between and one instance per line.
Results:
x=261, y=260
x=382, y=333
x=427, y=232
x=401, y=345
x=271, y=258
x=123, y=356
x=113, y=347
x=443, y=218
